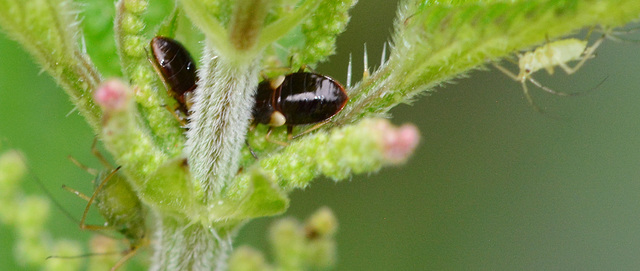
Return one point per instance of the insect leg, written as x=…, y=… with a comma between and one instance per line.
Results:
x=177, y=114
x=525, y=89
x=91, y=171
x=132, y=252
x=505, y=71
x=312, y=128
x=93, y=197
x=269, y=139
x=289, y=132
x=96, y=153
x=76, y=192
x=246, y=142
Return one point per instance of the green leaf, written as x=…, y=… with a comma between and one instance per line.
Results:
x=255, y=196
x=48, y=29
x=320, y=32
x=170, y=190
x=437, y=41
x=98, y=33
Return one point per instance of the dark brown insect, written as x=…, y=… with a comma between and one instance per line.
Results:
x=177, y=69
x=298, y=98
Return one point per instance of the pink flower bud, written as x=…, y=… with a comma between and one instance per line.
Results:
x=399, y=143
x=112, y=95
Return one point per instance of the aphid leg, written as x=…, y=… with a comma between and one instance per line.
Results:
x=92, y=199
x=177, y=114
x=269, y=139
x=132, y=252
x=76, y=192
x=96, y=153
x=312, y=128
x=525, y=89
x=505, y=71
x=91, y=171
x=289, y=132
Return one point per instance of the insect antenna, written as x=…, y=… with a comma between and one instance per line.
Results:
x=83, y=255
x=529, y=99
x=565, y=94
x=47, y=192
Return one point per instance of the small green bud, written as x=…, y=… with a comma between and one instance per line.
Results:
x=322, y=223
x=320, y=230
x=322, y=253
x=321, y=30
x=131, y=24
x=358, y=148
x=31, y=251
x=32, y=216
x=133, y=46
x=248, y=259
x=142, y=74
x=135, y=6
x=122, y=133
x=288, y=241
x=12, y=169
x=100, y=244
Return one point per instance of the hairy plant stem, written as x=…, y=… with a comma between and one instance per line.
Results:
x=219, y=120
x=181, y=245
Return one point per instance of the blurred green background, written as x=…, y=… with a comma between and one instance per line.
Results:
x=494, y=185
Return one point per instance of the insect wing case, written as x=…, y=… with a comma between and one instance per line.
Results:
x=308, y=98
x=176, y=65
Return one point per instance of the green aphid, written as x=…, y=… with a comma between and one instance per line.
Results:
x=118, y=204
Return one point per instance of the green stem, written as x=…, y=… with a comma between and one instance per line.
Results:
x=194, y=247
x=246, y=23
x=214, y=31
x=281, y=27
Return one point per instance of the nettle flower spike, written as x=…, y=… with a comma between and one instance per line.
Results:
x=28, y=214
x=192, y=146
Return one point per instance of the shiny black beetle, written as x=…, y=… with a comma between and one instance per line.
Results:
x=177, y=69
x=298, y=98
x=293, y=99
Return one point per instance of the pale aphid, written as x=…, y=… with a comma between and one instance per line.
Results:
x=558, y=53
